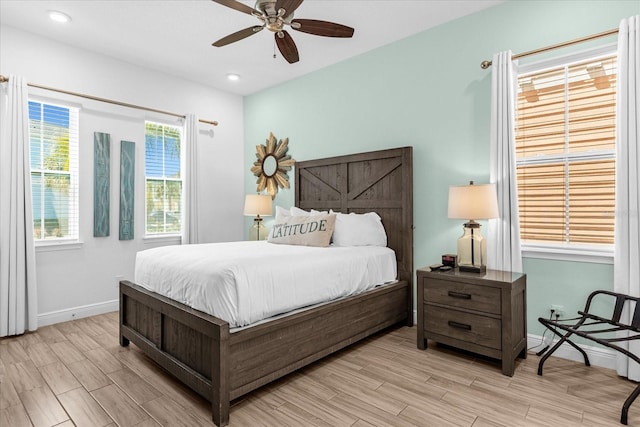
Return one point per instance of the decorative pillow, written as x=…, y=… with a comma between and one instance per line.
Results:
x=309, y=230
x=359, y=230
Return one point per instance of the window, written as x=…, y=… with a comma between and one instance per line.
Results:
x=53, y=139
x=163, y=178
x=565, y=153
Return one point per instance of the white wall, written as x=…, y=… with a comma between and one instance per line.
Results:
x=79, y=281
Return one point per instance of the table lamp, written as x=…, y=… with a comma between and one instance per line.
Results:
x=257, y=204
x=473, y=202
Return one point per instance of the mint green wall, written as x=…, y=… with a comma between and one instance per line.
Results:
x=428, y=91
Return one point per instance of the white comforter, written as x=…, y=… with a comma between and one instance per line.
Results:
x=245, y=282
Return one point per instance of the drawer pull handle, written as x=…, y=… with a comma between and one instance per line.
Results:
x=459, y=295
x=459, y=325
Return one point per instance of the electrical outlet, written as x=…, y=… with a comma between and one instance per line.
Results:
x=558, y=310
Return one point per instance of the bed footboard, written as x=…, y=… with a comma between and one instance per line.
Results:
x=199, y=350
x=190, y=344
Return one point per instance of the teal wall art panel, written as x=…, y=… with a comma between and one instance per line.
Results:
x=127, y=186
x=101, y=178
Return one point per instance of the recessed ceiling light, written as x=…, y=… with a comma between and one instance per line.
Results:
x=59, y=16
x=233, y=77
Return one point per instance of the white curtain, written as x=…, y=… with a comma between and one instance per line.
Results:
x=18, y=299
x=190, y=189
x=626, y=270
x=503, y=240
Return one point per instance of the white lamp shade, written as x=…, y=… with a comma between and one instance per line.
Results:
x=473, y=201
x=257, y=204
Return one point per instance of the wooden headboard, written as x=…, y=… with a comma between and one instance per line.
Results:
x=378, y=181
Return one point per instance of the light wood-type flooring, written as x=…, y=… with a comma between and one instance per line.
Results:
x=75, y=373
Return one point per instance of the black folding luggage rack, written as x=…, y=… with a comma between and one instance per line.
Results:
x=591, y=326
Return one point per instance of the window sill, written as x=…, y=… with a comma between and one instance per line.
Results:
x=575, y=253
x=59, y=245
x=151, y=239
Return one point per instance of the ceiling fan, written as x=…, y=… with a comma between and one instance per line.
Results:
x=275, y=15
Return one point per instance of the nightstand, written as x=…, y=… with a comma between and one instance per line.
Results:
x=485, y=313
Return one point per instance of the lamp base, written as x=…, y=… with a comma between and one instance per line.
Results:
x=472, y=268
x=258, y=231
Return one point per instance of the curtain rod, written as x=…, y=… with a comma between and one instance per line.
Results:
x=4, y=79
x=486, y=64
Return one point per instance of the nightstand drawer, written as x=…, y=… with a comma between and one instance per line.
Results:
x=463, y=295
x=473, y=328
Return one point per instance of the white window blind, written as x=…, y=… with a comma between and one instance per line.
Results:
x=163, y=178
x=565, y=150
x=53, y=138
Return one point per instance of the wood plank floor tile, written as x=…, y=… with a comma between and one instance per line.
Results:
x=41, y=354
x=89, y=375
x=296, y=416
x=66, y=351
x=137, y=362
x=119, y=406
x=108, y=342
x=318, y=408
x=370, y=411
x=312, y=386
x=13, y=352
x=168, y=413
x=83, y=342
x=104, y=360
x=83, y=409
x=149, y=422
x=43, y=407
x=50, y=334
x=172, y=388
x=24, y=376
x=66, y=328
x=8, y=395
x=59, y=377
x=91, y=326
x=385, y=402
x=383, y=380
x=430, y=416
x=137, y=388
x=14, y=416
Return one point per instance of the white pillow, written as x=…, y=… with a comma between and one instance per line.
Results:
x=359, y=230
x=301, y=212
x=281, y=212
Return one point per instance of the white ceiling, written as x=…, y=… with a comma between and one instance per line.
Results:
x=175, y=36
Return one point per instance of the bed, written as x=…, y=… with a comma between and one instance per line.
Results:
x=199, y=349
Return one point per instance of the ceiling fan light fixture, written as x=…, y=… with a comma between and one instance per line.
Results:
x=233, y=77
x=56, y=15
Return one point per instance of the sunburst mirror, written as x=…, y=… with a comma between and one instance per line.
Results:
x=272, y=164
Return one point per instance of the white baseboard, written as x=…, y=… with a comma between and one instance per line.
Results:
x=598, y=356
x=59, y=316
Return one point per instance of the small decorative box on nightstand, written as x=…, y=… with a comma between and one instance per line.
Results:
x=483, y=313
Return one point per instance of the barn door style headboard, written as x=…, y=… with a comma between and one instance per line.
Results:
x=376, y=181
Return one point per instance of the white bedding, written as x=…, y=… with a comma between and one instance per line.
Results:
x=245, y=282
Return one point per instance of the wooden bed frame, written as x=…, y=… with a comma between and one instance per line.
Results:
x=198, y=348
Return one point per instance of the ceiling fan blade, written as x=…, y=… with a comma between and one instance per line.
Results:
x=233, y=4
x=238, y=35
x=322, y=28
x=288, y=5
x=287, y=47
